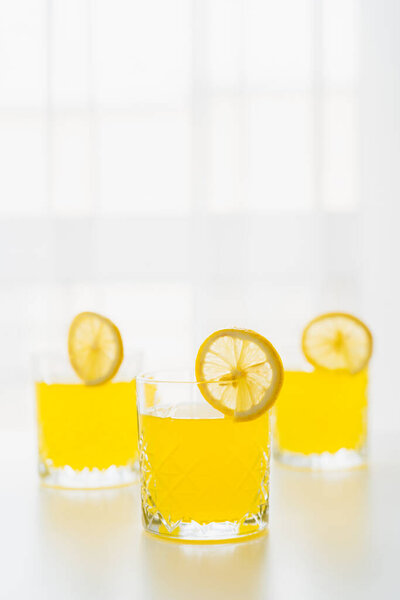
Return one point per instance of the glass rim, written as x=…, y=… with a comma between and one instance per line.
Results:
x=60, y=351
x=60, y=356
x=165, y=376
x=297, y=367
x=52, y=365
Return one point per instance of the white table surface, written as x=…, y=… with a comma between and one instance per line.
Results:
x=331, y=537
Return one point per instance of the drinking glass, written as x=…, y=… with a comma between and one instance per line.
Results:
x=204, y=476
x=87, y=434
x=320, y=419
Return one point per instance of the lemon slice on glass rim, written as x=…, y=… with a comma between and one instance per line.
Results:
x=239, y=373
x=95, y=348
x=337, y=341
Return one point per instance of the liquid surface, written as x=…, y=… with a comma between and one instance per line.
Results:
x=321, y=411
x=87, y=426
x=204, y=469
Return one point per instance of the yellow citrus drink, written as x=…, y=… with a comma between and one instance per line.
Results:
x=323, y=411
x=204, y=470
x=87, y=427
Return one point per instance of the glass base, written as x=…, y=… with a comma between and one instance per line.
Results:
x=68, y=478
x=326, y=461
x=215, y=532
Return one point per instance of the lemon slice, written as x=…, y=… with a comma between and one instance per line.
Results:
x=239, y=372
x=95, y=348
x=337, y=341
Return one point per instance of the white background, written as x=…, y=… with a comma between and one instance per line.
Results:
x=185, y=165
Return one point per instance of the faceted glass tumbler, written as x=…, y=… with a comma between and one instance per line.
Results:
x=320, y=419
x=87, y=435
x=204, y=476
